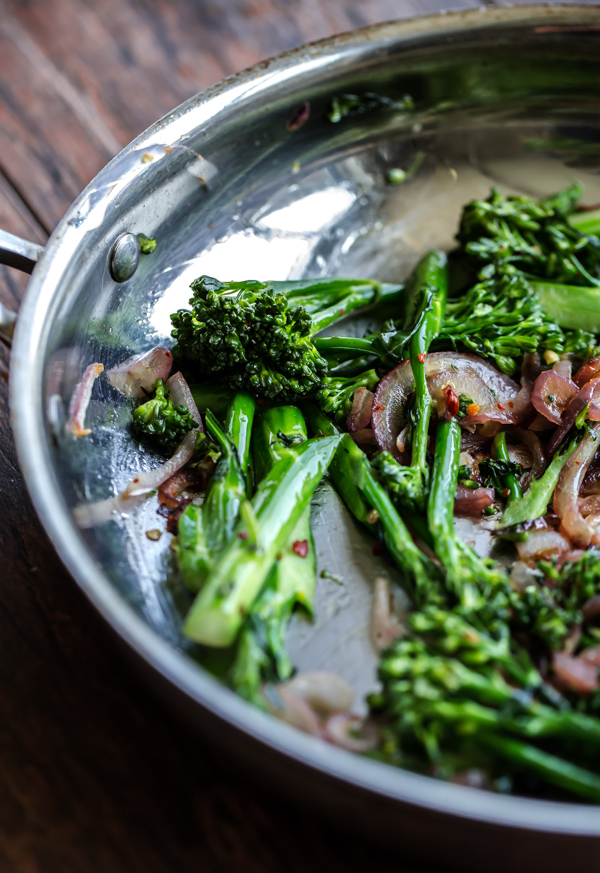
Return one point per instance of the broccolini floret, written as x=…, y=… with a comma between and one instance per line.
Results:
x=336, y=395
x=161, y=422
x=250, y=337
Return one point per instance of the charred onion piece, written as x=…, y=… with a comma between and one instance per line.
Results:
x=135, y=377
x=80, y=400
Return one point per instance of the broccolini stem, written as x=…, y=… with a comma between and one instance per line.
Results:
x=510, y=480
x=427, y=290
x=571, y=306
x=440, y=506
x=351, y=474
x=586, y=222
x=238, y=426
x=535, y=502
x=241, y=571
x=227, y=487
x=551, y=768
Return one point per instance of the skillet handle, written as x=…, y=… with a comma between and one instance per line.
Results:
x=23, y=255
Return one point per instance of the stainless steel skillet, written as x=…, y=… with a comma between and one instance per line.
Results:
x=232, y=186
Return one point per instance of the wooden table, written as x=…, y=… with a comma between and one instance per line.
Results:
x=94, y=774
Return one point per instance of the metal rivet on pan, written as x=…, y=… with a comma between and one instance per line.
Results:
x=124, y=257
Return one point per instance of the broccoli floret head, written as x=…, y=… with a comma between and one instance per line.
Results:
x=160, y=422
x=249, y=336
x=336, y=396
x=534, y=235
x=403, y=484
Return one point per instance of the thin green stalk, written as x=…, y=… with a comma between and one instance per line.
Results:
x=236, y=579
x=511, y=482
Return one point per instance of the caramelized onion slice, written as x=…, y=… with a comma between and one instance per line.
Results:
x=543, y=544
x=360, y=414
x=135, y=377
x=472, y=502
x=566, y=497
x=180, y=394
x=575, y=674
x=390, y=400
x=588, y=371
x=80, y=400
x=322, y=691
x=551, y=394
x=89, y=514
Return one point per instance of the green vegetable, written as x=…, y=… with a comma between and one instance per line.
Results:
x=241, y=571
x=203, y=532
x=349, y=105
x=475, y=583
x=257, y=337
x=502, y=473
x=426, y=293
x=262, y=655
x=147, y=244
x=445, y=693
x=535, y=502
x=160, y=422
x=336, y=395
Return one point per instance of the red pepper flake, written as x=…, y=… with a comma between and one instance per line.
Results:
x=378, y=407
x=341, y=311
x=377, y=550
x=300, y=117
x=506, y=492
x=422, y=357
x=511, y=404
x=243, y=535
x=499, y=405
x=452, y=401
x=472, y=409
x=300, y=547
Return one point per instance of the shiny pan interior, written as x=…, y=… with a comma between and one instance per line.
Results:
x=231, y=188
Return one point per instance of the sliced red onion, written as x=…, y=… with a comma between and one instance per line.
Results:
x=135, y=377
x=90, y=514
x=360, y=414
x=588, y=371
x=80, y=400
x=540, y=423
x=325, y=692
x=575, y=674
x=152, y=479
x=472, y=502
x=531, y=367
x=351, y=732
x=591, y=656
x=293, y=710
x=538, y=460
x=385, y=626
x=389, y=404
x=551, y=394
x=590, y=393
x=566, y=496
x=564, y=369
x=180, y=395
x=401, y=440
x=363, y=437
x=511, y=411
x=543, y=543
x=589, y=505
x=184, y=480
